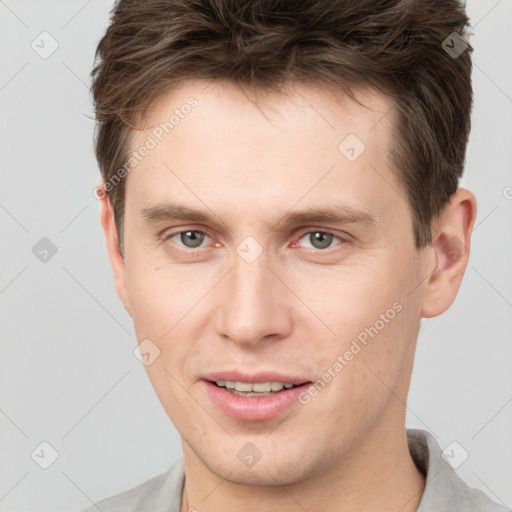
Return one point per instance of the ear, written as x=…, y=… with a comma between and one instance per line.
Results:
x=111, y=238
x=451, y=237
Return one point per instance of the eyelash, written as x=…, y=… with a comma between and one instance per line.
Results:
x=193, y=251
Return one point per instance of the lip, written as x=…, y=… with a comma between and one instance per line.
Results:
x=262, y=376
x=253, y=408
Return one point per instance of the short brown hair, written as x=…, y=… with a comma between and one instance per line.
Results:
x=399, y=47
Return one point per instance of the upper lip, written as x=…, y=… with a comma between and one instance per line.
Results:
x=261, y=376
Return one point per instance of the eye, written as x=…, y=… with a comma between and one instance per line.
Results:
x=319, y=239
x=191, y=238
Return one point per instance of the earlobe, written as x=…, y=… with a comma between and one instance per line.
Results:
x=451, y=239
x=111, y=238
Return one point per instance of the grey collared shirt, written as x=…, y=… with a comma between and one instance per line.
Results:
x=445, y=491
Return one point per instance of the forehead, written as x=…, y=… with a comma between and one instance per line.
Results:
x=323, y=106
x=211, y=142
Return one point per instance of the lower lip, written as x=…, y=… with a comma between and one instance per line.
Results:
x=253, y=408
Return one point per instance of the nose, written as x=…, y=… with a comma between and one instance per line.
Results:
x=254, y=304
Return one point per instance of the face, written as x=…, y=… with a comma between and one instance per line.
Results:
x=272, y=244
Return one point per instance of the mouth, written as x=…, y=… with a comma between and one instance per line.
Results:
x=254, y=397
x=254, y=389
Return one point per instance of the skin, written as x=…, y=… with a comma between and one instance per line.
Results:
x=296, y=307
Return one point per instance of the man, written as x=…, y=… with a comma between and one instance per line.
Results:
x=281, y=207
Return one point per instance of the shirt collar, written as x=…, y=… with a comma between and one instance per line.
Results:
x=444, y=489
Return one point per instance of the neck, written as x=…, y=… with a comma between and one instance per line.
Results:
x=377, y=474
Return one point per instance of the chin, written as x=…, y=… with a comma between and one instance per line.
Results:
x=272, y=469
x=259, y=475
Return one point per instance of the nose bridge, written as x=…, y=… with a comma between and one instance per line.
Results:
x=252, y=307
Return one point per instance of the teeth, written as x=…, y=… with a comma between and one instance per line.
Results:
x=243, y=386
x=257, y=387
x=265, y=387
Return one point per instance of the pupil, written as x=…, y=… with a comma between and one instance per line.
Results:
x=194, y=237
x=320, y=240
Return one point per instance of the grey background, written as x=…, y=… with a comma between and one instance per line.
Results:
x=68, y=374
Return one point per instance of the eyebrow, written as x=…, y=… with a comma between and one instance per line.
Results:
x=338, y=214
x=169, y=211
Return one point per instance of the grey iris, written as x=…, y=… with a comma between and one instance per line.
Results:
x=320, y=240
x=192, y=238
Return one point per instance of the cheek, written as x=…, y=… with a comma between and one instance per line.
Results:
x=368, y=378
x=161, y=293
x=170, y=307
x=373, y=319
x=349, y=297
